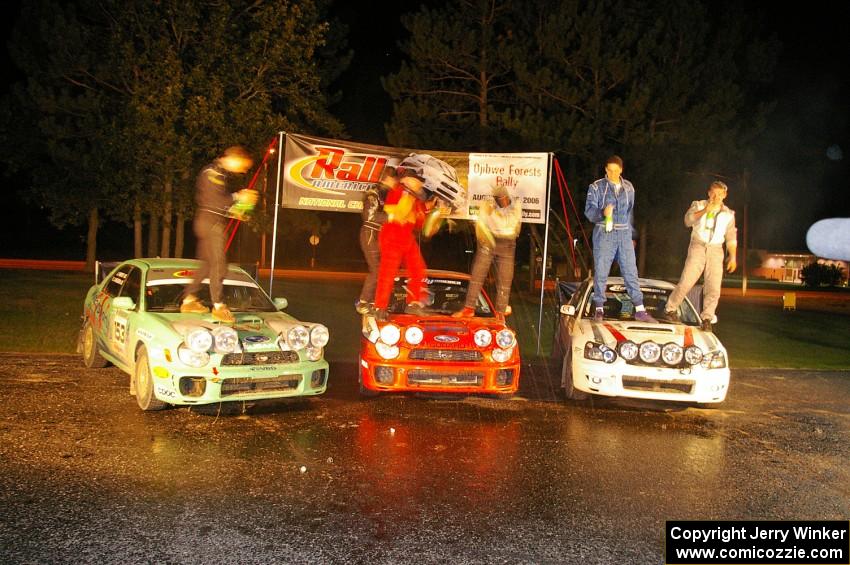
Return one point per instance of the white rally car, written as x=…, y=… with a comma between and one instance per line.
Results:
x=622, y=357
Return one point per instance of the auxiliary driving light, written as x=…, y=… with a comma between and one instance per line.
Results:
x=505, y=339
x=413, y=335
x=693, y=355
x=650, y=352
x=297, y=338
x=483, y=337
x=319, y=336
x=390, y=334
x=672, y=354
x=226, y=339
x=199, y=340
x=628, y=350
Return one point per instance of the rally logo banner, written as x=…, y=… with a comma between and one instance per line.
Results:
x=332, y=175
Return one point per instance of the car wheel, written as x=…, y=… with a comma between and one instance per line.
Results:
x=571, y=392
x=708, y=405
x=364, y=392
x=144, y=384
x=557, y=346
x=91, y=355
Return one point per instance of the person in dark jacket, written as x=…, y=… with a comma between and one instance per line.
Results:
x=214, y=204
x=374, y=217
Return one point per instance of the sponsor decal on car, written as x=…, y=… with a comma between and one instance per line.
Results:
x=256, y=339
x=446, y=338
x=144, y=334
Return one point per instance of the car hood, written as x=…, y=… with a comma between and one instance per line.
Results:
x=445, y=332
x=256, y=330
x=611, y=332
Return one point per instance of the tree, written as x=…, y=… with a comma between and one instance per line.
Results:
x=132, y=98
x=819, y=274
x=673, y=88
x=670, y=87
x=454, y=90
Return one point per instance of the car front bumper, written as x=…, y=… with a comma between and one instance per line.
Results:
x=176, y=383
x=381, y=375
x=694, y=384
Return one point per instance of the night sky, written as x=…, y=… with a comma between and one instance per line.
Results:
x=802, y=158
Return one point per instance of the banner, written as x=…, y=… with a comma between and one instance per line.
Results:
x=331, y=175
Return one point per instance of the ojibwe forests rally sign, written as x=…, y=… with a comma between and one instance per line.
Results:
x=332, y=175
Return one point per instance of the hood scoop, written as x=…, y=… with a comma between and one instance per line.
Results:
x=653, y=328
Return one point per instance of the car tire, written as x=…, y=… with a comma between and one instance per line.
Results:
x=364, y=392
x=91, y=354
x=557, y=346
x=145, y=397
x=708, y=405
x=367, y=393
x=570, y=391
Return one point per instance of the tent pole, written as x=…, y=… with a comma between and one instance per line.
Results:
x=545, y=251
x=277, y=190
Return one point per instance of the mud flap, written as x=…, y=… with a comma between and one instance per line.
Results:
x=80, y=338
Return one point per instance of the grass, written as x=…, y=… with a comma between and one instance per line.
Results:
x=757, y=335
x=41, y=313
x=40, y=310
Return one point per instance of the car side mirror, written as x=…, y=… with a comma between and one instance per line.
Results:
x=123, y=303
x=568, y=310
x=281, y=303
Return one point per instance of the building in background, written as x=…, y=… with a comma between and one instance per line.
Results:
x=786, y=267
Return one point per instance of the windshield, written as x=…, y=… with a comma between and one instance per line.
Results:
x=166, y=296
x=445, y=296
x=618, y=305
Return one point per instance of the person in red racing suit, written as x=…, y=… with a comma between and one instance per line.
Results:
x=405, y=207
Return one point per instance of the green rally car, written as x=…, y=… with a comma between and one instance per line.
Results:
x=132, y=319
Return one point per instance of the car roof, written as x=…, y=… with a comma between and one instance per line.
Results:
x=169, y=265
x=644, y=282
x=438, y=273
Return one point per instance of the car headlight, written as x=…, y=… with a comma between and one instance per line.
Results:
x=413, y=335
x=314, y=353
x=599, y=352
x=199, y=340
x=505, y=339
x=482, y=337
x=714, y=360
x=390, y=334
x=502, y=355
x=672, y=353
x=387, y=351
x=628, y=350
x=693, y=355
x=319, y=336
x=297, y=338
x=226, y=339
x=191, y=357
x=650, y=352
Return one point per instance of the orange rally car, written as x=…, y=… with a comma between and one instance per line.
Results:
x=435, y=352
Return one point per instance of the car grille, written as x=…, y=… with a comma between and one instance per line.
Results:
x=653, y=385
x=445, y=355
x=435, y=378
x=260, y=358
x=241, y=385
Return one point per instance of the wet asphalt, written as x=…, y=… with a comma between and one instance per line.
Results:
x=85, y=476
